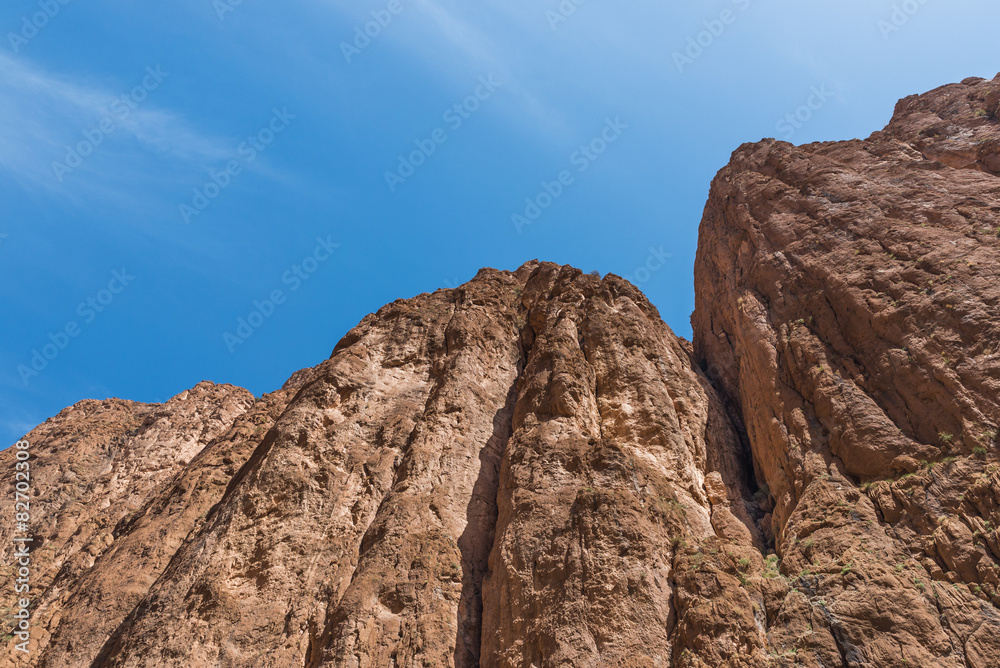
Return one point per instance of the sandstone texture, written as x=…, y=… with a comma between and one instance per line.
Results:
x=532, y=470
x=847, y=306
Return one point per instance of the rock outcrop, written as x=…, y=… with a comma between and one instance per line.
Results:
x=847, y=306
x=532, y=470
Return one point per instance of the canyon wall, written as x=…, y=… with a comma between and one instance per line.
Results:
x=532, y=470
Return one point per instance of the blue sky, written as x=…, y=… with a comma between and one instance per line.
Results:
x=163, y=167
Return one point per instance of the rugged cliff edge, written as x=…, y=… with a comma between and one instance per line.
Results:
x=847, y=305
x=533, y=470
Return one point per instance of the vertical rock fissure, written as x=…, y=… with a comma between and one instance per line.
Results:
x=838, y=639
x=477, y=541
x=675, y=610
x=749, y=469
x=597, y=381
x=108, y=649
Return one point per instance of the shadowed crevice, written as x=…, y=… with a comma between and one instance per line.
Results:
x=476, y=542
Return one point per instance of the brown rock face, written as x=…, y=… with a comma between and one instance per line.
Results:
x=528, y=470
x=847, y=303
x=532, y=470
x=117, y=486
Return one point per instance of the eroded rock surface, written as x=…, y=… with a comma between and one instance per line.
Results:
x=501, y=474
x=94, y=466
x=532, y=470
x=847, y=303
x=520, y=471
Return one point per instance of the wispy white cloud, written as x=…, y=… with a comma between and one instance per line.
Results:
x=458, y=43
x=479, y=48
x=556, y=67
x=46, y=114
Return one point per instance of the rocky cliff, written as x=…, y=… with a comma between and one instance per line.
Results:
x=533, y=470
x=847, y=306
